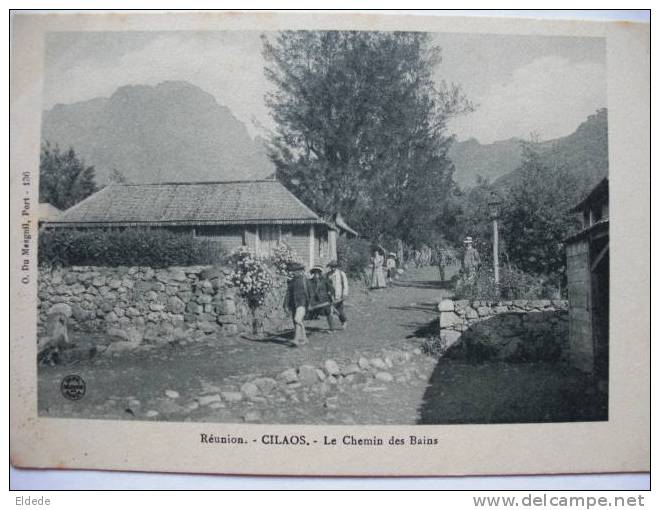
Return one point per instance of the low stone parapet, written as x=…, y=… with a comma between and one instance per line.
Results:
x=521, y=330
x=197, y=297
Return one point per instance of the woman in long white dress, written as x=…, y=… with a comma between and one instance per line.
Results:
x=377, y=275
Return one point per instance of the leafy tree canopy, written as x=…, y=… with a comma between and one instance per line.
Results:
x=64, y=180
x=536, y=217
x=361, y=127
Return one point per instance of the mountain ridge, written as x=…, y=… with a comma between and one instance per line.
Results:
x=499, y=161
x=156, y=133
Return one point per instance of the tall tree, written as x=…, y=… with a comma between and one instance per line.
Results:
x=536, y=217
x=361, y=127
x=64, y=180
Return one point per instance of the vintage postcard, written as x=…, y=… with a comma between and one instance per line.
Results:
x=329, y=244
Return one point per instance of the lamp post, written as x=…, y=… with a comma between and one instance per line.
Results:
x=494, y=210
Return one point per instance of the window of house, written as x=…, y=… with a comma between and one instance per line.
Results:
x=323, y=245
x=269, y=238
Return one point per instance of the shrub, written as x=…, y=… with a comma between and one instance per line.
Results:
x=126, y=247
x=514, y=284
x=251, y=277
x=282, y=257
x=353, y=255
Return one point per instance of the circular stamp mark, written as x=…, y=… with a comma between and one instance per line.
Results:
x=73, y=387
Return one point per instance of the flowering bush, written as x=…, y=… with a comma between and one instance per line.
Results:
x=251, y=277
x=283, y=256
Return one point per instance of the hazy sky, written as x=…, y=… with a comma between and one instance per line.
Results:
x=520, y=84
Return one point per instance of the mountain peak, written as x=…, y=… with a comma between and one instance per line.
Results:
x=169, y=131
x=497, y=160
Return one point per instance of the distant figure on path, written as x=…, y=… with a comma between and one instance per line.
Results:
x=471, y=259
x=442, y=263
x=391, y=268
x=339, y=283
x=298, y=302
x=377, y=276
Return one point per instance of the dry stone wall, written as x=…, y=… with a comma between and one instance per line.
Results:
x=196, y=297
x=521, y=330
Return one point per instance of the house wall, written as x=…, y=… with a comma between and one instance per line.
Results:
x=579, y=297
x=228, y=237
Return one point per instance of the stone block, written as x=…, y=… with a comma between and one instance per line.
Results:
x=176, y=275
x=471, y=313
x=204, y=299
x=446, y=305
x=62, y=308
x=449, y=319
x=227, y=319
x=450, y=337
x=193, y=307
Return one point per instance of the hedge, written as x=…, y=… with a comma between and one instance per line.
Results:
x=354, y=256
x=126, y=247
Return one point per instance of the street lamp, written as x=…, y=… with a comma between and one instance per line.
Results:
x=494, y=212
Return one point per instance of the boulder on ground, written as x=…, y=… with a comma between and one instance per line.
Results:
x=250, y=390
x=307, y=375
x=231, y=396
x=265, y=384
x=205, y=400
x=384, y=376
x=288, y=376
x=331, y=367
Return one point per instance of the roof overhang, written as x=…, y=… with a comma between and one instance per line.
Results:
x=337, y=222
x=179, y=223
x=597, y=194
x=599, y=229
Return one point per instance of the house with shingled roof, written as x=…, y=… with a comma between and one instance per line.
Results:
x=259, y=214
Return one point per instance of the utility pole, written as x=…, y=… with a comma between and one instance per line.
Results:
x=494, y=209
x=496, y=260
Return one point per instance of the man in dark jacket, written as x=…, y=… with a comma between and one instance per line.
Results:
x=298, y=302
x=321, y=293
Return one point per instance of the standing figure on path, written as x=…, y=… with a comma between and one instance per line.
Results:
x=442, y=262
x=391, y=268
x=471, y=259
x=339, y=283
x=298, y=302
x=377, y=275
x=321, y=294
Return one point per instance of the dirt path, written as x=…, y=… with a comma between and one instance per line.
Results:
x=130, y=384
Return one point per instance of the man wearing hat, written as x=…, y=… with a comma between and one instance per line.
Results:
x=321, y=293
x=298, y=300
x=339, y=283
